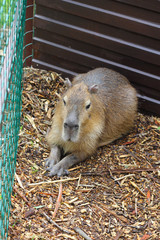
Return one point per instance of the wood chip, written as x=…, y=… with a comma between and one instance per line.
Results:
x=92, y=200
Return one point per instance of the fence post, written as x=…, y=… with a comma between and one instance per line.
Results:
x=28, y=40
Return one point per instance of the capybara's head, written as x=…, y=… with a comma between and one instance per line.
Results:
x=76, y=110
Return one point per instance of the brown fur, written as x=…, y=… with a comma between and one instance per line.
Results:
x=111, y=114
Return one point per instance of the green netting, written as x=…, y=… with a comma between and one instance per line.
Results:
x=12, y=20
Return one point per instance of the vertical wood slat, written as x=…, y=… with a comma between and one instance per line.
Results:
x=28, y=38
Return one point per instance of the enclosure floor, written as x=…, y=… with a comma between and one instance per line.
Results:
x=113, y=195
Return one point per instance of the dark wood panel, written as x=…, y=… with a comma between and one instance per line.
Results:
x=121, y=7
x=98, y=39
x=74, y=36
x=146, y=91
x=27, y=51
x=148, y=104
x=98, y=51
x=93, y=61
x=77, y=68
x=55, y=60
x=108, y=5
x=99, y=27
x=146, y=4
x=145, y=103
x=142, y=21
x=47, y=57
x=48, y=66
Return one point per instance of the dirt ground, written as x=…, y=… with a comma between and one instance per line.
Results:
x=115, y=194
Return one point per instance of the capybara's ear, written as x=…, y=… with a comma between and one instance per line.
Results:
x=67, y=82
x=93, y=88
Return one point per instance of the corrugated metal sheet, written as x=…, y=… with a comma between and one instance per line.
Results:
x=76, y=36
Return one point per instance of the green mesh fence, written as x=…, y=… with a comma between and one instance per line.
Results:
x=12, y=20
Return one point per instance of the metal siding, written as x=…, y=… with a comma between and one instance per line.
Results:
x=75, y=36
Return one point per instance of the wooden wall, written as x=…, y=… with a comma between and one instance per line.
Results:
x=28, y=36
x=75, y=36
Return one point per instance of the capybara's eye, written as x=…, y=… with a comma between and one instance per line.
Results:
x=88, y=106
x=64, y=102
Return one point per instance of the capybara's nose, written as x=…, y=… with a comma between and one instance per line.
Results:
x=71, y=125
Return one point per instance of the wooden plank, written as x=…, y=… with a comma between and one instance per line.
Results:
x=148, y=104
x=97, y=51
x=138, y=8
x=47, y=66
x=80, y=68
x=146, y=4
x=98, y=28
x=145, y=103
x=27, y=53
x=99, y=39
x=55, y=60
x=74, y=36
x=141, y=21
x=92, y=61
